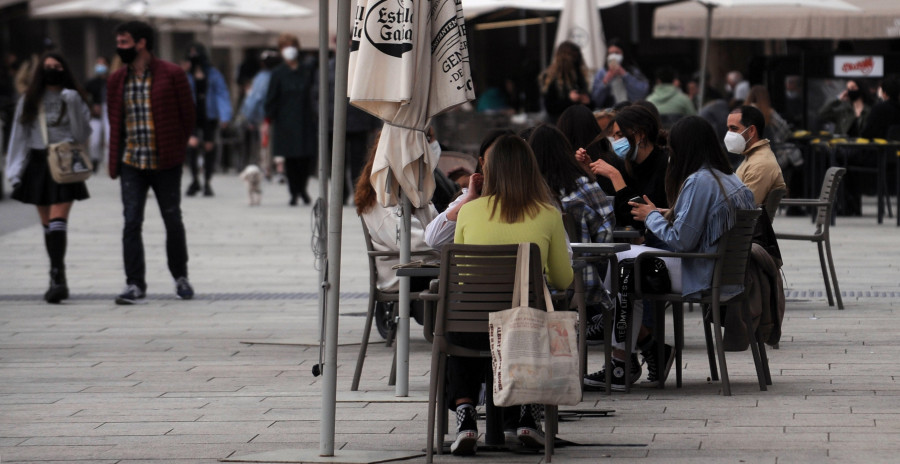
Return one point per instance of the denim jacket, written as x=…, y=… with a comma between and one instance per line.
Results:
x=218, y=102
x=702, y=215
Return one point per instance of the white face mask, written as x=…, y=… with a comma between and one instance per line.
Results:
x=289, y=53
x=617, y=57
x=734, y=142
x=435, y=148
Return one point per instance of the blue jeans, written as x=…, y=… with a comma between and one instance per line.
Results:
x=166, y=185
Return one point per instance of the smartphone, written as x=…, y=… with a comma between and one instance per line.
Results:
x=638, y=200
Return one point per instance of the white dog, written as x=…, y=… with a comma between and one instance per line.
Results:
x=252, y=176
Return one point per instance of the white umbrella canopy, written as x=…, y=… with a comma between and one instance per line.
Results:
x=144, y=9
x=407, y=66
x=579, y=23
x=231, y=8
x=477, y=7
x=780, y=19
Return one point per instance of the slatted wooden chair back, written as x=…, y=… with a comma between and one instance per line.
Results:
x=476, y=280
x=830, y=186
x=734, y=250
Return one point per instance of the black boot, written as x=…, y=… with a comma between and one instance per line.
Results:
x=193, y=189
x=55, y=239
x=58, y=290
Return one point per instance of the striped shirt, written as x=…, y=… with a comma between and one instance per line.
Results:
x=140, y=136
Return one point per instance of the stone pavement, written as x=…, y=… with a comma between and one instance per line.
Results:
x=203, y=380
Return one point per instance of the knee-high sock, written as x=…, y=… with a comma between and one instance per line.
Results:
x=56, y=244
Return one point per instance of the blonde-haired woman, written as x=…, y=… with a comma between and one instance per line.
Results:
x=565, y=82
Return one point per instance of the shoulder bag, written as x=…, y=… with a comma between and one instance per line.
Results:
x=68, y=161
x=534, y=353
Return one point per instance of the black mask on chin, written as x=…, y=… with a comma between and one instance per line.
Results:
x=53, y=77
x=128, y=55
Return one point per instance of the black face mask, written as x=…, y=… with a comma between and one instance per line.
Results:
x=853, y=95
x=195, y=61
x=53, y=77
x=127, y=55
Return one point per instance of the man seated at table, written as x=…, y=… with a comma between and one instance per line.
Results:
x=759, y=171
x=885, y=113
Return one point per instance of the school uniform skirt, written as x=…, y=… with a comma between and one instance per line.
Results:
x=38, y=187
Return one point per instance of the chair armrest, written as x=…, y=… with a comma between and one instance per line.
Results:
x=804, y=202
x=661, y=254
x=384, y=253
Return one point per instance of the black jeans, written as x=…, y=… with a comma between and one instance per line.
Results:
x=166, y=185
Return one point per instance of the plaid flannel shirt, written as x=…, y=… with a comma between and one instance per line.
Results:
x=140, y=137
x=595, y=218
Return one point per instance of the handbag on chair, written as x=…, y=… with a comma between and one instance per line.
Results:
x=534, y=353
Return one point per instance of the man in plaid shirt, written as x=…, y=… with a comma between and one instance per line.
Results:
x=151, y=117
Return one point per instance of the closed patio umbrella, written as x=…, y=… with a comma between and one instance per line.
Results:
x=409, y=61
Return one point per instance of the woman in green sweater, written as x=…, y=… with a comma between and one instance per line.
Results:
x=516, y=206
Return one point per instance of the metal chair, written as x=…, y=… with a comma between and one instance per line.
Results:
x=773, y=201
x=821, y=236
x=379, y=296
x=475, y=280
x=731, y=259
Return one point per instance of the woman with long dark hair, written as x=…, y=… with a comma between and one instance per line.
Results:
x=516, y=206
x=640, y=144
x=55, y=101
x=587, y=206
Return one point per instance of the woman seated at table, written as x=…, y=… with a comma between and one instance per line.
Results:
x=640, y=143
x=705, y=191
x=384, y=227
x=516, y=206
x=585, y=203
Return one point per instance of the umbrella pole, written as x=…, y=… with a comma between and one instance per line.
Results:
x=704, y=56
x=335, y=223
x=322, y=205
x=401, y=387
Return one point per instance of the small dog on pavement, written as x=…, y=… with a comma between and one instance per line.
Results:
x=252, y=175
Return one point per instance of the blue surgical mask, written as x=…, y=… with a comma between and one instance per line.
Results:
x=622, y=147
x=100, y=68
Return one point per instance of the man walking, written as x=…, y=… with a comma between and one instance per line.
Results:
x=151, y=117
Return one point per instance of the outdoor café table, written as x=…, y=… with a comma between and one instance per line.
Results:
x=803, y=140
x=840, y=151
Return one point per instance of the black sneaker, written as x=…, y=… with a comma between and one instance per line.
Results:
x=594, y=330
x=657, y=371
x=529, y=431
x=597, y=380
x=131, y=295
x=466, y=431
x=208, y=191
x=183, y=288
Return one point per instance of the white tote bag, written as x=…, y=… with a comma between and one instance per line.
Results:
x=534, y=353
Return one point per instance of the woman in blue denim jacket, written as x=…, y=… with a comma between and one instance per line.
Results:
x=705, y=192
